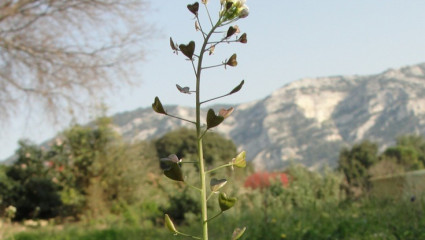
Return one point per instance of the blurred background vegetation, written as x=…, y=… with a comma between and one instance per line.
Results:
x=90, y=184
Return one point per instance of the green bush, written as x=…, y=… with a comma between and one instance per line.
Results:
x=406, y=156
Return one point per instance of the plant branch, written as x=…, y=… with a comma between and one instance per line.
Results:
x=215, y=216
x=190, y=185
x=223, y=41
x=220, y=167
x=218, y=65
x=209, y=16
x=211, y=194
x=203, y=134
x=180, y=118
x=212, y=99
x=200, y=27
x=194, y=68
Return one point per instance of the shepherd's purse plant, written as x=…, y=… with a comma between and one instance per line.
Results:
x=222, y=31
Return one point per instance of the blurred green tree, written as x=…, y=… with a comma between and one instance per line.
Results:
x=86, y=170
x=354, y=163
x=31, y=187
x=182, y=142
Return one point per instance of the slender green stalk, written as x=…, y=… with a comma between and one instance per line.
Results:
x=220, y=167
x=215, y=216
x=199, y=132
x=211, y=194
x=171, y=168
x=190, y=185
x=218, y=65
x=212, y=99
x=180, y=118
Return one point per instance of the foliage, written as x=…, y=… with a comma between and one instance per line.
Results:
x=104, y=170
x=311, y=187
x=217, y=149
x=83, y=233
x=305, y=189
x=87, y=171
x=417, y=142
x=405, y=156
x=355, y=162
x=366, y=219
x=408, y=152
x=184, y=204
x=385, y=167
x=32, y=189
x=6, y=185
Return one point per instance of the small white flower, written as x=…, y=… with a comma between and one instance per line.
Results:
x=244, y=12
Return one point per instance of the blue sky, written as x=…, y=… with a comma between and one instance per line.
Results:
x=287, y=41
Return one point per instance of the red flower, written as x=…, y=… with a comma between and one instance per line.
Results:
x=264, y=179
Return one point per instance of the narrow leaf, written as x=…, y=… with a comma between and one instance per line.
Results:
x=225, y=202
x=157, y=106
x=170, y=224
x=237, y=88
x=238, y=233
x=213, y=120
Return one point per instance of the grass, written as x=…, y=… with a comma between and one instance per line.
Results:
x=365, y=220
x=111, y=233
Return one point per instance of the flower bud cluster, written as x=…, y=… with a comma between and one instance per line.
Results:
x=233, y=9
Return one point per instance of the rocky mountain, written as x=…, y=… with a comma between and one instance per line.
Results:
x=308, y=120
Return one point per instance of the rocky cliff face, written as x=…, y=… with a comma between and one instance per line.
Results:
x=309, y=120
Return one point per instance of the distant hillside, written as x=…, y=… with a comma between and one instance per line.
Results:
x=309, y=120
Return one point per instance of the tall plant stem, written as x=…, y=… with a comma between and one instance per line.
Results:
x=199, y=133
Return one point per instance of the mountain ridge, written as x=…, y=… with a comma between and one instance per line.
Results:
x=308, y=120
